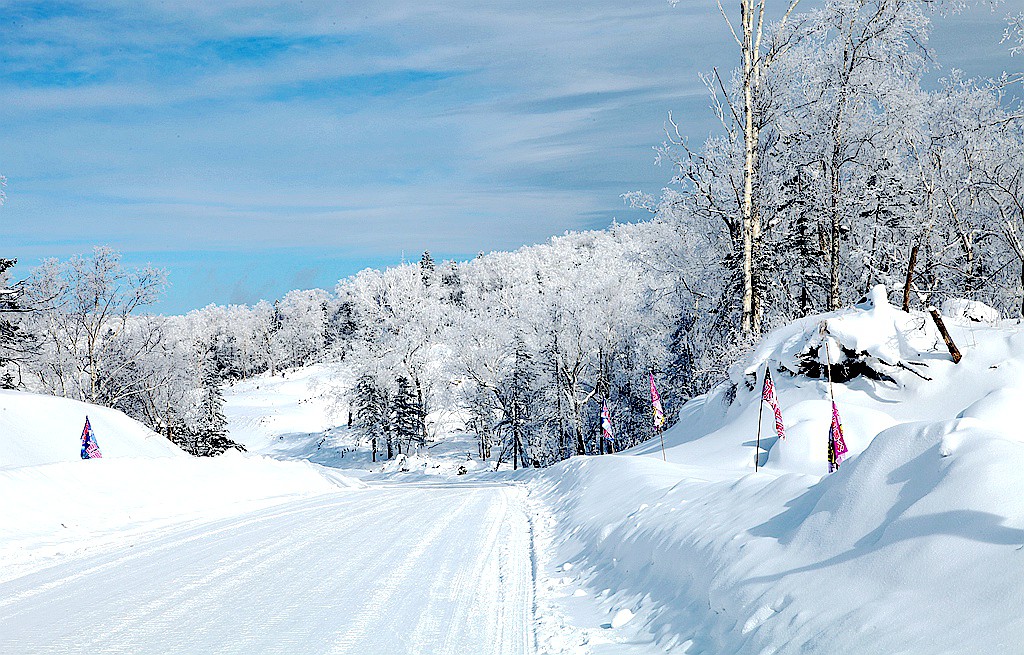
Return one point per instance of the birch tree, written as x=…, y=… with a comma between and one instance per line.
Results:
x=748, y=117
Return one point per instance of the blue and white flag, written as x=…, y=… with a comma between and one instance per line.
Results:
x=90, y=449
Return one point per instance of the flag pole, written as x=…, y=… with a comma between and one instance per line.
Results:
x=760, y=412
x=661, y=433
x=828, y=359
x=831, y=393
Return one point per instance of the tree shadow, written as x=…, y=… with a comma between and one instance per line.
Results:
x=919, y=477
x=767, y=443
x=972, y=525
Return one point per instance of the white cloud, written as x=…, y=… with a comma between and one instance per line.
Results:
x=458, y=126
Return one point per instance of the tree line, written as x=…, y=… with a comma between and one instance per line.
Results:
x=840, y=164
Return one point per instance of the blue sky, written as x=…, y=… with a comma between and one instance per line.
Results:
x=255, y=147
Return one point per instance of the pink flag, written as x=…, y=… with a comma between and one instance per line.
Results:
x=90, y=449
x=659, y=411
x=606, y=423
x=836, y=444
x=768, y=396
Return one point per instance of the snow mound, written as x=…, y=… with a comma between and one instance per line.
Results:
x=37, y=429
x=970, y=310
x=905, y=549
x=910, y=547
x=55, y=503
x=872, y=339
x=888, y=367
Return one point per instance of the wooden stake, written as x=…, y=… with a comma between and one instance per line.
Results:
x=910, y=278
x=953, y=350
x=661, y=433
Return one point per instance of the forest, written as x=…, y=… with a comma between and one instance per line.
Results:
x=846, y=157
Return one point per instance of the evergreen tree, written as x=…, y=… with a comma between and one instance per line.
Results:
x=373, y=414
x=208, y=435
x=408, y=414
x=427, y=268
x=451, y=281
x=521, y=405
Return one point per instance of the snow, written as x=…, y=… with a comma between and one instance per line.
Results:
x=622, y=617
x=296, y=416
x=262, y=409
x=56, y=504
x=346, y=573
x=913, y=546
x=37, y=429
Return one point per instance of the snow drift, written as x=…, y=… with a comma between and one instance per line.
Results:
x=913, y=546
x=37, y=429
x=53, y=502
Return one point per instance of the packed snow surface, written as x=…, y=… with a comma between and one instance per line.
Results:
x=355, y=573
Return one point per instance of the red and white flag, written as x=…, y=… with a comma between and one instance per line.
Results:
x=836, y=444
x=768, y=396
x=606, y=423
x=659, y=411
x=90, y=449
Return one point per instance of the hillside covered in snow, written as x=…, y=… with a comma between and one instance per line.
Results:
x=55, y=503
x=913, y=546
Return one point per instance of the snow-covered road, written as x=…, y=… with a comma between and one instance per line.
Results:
x=431, y=568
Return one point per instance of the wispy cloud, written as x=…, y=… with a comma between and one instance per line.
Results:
x=361, y=129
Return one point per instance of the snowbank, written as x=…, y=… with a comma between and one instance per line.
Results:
x=37, y=429
x=913, y=546
x=889, y=367
x=53, y=502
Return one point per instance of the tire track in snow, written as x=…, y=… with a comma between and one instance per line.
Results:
x=451, y=597
x=232, y=574
x=328, y=574
x=108, y=593
x=232, y=578
x=173, y=539
x=389, y=585
x=517, y=582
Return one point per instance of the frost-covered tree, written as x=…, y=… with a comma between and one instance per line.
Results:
x=85, y=329
x=854, y=106
x=301, y=327
x=16, y=344
x=427, y=268
x=206, y=433
x=410, y=428
x=749, y=113
x=372, y=405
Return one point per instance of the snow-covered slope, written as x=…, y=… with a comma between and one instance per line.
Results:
x=898, y=368
x=298, y=415
x=53, y=502
x=36, y=429
x=913, y=546
x=263, y=409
